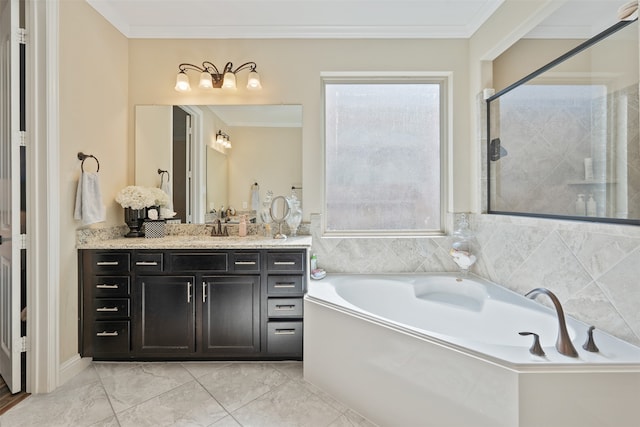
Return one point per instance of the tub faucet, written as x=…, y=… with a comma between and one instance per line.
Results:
x=563, y=343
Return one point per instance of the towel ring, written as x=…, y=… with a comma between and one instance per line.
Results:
x=83, y=157
x=162, y=173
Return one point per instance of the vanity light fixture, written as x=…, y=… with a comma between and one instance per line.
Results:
x=211, y=77
x=223, y=139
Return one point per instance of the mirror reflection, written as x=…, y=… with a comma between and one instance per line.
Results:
x=564, y=141
x=210, y=177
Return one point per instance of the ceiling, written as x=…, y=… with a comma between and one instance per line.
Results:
x=339, y=18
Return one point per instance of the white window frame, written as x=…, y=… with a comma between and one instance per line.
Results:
x=445, y=79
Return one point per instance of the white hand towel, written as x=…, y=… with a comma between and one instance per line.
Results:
x=255, y=197
x=89, y=207
x=164, y=186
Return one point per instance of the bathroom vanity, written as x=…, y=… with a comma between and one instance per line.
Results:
x=192, y=297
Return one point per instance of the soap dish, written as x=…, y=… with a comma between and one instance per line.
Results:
x=318, y=274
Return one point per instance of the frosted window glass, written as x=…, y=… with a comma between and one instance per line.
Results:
x=383, y=146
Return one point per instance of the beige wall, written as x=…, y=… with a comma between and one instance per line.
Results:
x=93, y=119
x=272, y=157
x=153, y=143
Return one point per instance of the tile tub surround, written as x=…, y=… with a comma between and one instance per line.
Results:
x=215, y=394
x=593, y=268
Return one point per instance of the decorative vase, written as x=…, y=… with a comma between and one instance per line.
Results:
x=134, y=219
x=295, y=214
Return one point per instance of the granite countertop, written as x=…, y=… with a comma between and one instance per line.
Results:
x=198, y=242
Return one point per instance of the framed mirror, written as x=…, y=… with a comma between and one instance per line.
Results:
x=265, y=148
x=563, y=142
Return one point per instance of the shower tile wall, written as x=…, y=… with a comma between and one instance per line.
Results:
x=548, y=132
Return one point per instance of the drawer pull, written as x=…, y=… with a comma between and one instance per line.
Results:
x=107, y=334
x=152, y=263
x=107, y=263
x=285, y=285
x=284, y=263
x=106, y=286
x=107, y=309
x=285, y=332
x=285, y=307
x=245, y=263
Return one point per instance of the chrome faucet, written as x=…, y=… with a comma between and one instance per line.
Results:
x=563, y=343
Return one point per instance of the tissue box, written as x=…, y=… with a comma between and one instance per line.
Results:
x=155, y=228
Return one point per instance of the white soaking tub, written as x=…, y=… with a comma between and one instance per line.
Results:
x=433, y=350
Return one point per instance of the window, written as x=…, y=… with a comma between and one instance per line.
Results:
x=384, y=156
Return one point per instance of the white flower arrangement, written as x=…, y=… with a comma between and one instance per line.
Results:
x=136, y=197
x=160, y=197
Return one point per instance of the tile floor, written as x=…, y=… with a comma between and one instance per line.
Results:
x=215, y=394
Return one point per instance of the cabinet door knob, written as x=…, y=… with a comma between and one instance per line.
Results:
x=189, y=287
x=204, y=292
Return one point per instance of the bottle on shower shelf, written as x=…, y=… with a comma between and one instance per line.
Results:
x=581, y=207
x=592, y=206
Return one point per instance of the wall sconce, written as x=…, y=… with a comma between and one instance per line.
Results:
x=211, y=77
x=223, y=139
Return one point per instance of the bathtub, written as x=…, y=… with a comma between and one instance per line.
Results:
x=434, y=350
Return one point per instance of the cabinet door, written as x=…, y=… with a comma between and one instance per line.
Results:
x=166, y=316
x=231, y=314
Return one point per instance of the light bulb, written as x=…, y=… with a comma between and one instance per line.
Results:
x=229, y=81
x=182, y=82
x=205, y=81
x=253, y=83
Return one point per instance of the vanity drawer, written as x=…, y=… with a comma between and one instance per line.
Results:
x=110, y=262
x=285, y=285
x=109, y=308
x=111, y=337
x=246, y=261
x=111, y=286
x=284, y=307
x=149, y=262
x=284, y=337
x=199, y=261
x=285, y=261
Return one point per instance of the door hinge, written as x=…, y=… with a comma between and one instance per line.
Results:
x=22, y=36
x=23, y=241
x=23, y=344
x=22, y=138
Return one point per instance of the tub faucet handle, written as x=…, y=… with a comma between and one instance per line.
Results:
x=536, y=348
x=590, y=344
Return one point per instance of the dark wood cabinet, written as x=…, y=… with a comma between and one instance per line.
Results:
x=183, y=304
x=165, y=317
x=231, y=314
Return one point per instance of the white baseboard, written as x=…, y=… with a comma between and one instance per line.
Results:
x=72, y=367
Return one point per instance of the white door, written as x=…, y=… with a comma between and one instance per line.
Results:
x=10, y=346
